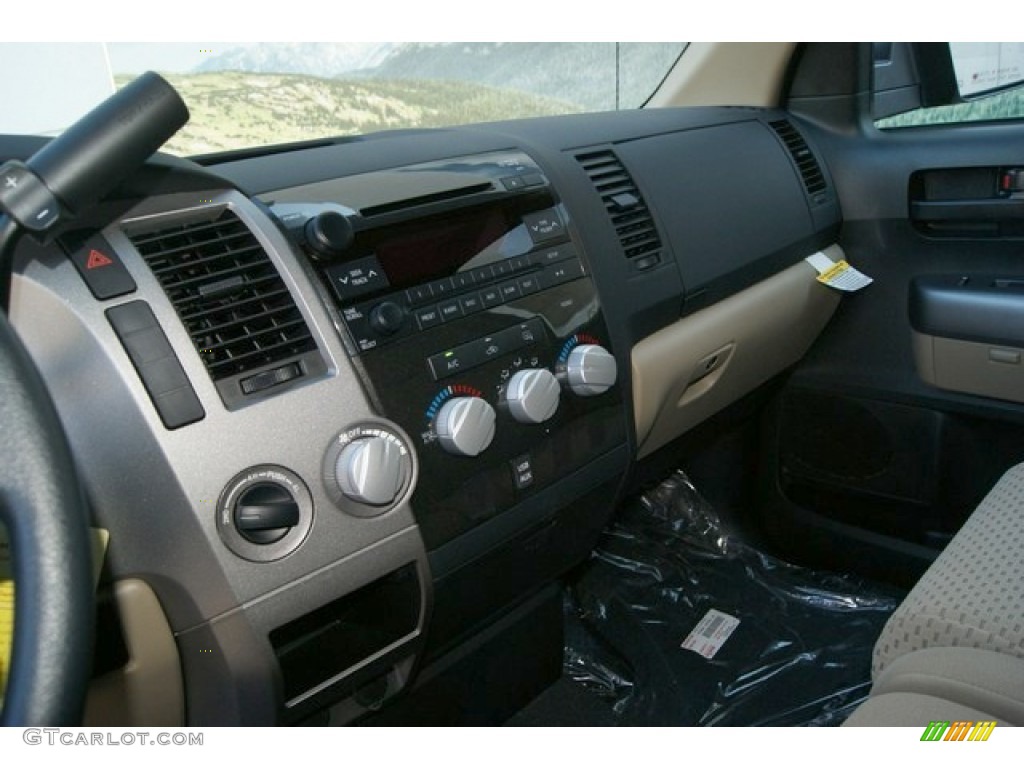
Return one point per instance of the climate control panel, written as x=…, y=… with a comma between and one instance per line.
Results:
x=501, y=405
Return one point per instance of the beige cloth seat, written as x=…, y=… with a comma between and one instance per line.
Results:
x=954, y=649
x=973, y=594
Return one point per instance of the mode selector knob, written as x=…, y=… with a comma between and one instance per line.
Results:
x=590, y=370
x=465, y=425
x=533, y=395
x=371, y=470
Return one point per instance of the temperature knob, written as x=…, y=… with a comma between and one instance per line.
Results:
x=371, y=470
x=465, y=425
x=533, y=395
x=590, y=370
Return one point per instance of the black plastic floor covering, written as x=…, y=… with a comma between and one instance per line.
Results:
x=800, y=654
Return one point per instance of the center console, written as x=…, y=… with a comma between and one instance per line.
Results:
x=467, y=305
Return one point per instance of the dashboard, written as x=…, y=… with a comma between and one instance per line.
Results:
x=342, y=406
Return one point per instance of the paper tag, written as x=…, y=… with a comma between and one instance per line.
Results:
x=710, y=633
x=839, y=275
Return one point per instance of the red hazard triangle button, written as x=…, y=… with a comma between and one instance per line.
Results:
x=97, y=259
x=98, y=264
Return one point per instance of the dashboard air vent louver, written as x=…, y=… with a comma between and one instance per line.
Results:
x=625, y=205
x=806, y=162
x=227, y=293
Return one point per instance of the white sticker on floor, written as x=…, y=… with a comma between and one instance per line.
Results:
x=710, y=633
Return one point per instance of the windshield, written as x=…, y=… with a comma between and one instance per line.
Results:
x=244, y=95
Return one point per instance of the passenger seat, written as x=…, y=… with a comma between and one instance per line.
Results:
x=954, y=649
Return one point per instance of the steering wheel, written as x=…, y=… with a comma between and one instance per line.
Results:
x=43, y=510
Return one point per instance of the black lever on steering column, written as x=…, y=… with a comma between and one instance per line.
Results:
x=78, y=168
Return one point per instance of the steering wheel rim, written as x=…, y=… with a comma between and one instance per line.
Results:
x=43, y=510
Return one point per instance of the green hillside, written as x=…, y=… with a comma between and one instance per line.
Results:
x=231, y=110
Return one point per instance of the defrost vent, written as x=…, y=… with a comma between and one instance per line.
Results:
x=626, y=207
x=235, y=306
x=806, y=162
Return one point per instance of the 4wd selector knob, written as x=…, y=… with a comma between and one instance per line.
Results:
x=590, y=370
x=533, y=395
x=465, y=425
x=370, y=470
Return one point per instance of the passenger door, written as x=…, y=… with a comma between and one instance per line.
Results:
x=911, y=404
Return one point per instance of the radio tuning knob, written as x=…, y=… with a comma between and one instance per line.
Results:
x=590, y=370
x=533, y=395
x=370, y=470
x=465, y=425
x=387, y=317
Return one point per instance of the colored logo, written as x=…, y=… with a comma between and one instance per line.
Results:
x=959, y=730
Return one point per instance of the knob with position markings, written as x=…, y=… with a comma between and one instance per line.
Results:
x=465, y=425
x=590, y=370
x=371, y=471
x=533, y=395
x=265, y=513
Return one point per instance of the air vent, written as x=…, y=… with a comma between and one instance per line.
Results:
x=806, y=162
x=626, y=207
x=228, y=294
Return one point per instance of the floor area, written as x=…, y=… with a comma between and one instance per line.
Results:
x=673, y=621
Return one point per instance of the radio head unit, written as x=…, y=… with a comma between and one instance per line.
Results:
x=465, y=296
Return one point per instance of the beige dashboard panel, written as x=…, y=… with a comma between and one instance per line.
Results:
x=988, y=370
x=698, y=365
x=746, y=74
x=149, y=690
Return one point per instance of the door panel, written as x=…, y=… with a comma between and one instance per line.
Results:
x=866, y=464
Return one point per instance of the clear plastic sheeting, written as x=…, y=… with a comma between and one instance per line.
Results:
x=800, y=653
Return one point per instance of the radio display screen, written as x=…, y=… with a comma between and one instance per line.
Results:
x=428, y=250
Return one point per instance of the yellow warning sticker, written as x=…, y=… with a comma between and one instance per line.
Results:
x=6, y=610
x=838, y=274
x=100, y=537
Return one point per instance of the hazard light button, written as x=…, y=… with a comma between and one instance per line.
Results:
x=99, y=265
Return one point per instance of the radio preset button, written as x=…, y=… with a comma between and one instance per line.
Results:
x=442, y=288
x=418, y=295
x=449, y=309
x=482, y=274
x=428, y=317
x=491, y=296
x=470, y=303
x=509, y=291
x=528, y=285
x=463, y=281
x=519, y=263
